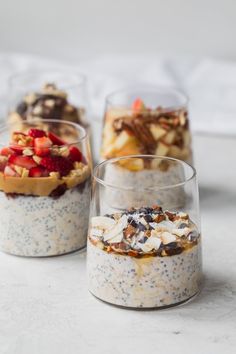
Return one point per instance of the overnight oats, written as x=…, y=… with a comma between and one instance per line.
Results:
x=44, y=189
x=47, y=95
x=144, y=256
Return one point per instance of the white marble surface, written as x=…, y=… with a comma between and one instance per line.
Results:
x=45, y=307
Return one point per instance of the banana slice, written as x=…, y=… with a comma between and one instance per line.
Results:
x=150, y=244
x=116, y=230
x=167, y=238
x=102, y=222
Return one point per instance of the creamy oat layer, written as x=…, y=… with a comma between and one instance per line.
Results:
x=49, y=103
x=141, y=130
x=44, y=195
x=144, y=258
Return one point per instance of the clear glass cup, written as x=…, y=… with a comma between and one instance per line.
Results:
x=48, y=94
x=45, y=185
x=144, y=239
x=151, y=121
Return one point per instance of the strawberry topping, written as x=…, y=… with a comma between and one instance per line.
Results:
x=75, y=154
x=42, y=146
x=39, y=153
x=38, y=172
x=138, y=105
x=57, y=164
x=36, y=133
x=22, y=161
x=55, y=139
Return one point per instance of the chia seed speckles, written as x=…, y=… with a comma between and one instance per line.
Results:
x=160, y=267
x=44, y=226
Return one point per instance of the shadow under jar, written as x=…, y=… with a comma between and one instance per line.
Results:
x=150, y=121
x=45, y=185
x=144, y=242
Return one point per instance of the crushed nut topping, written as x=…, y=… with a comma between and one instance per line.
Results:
x=144, y=231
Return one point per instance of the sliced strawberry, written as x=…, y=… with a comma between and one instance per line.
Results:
x=138, y=105
x=38, y=172
x=6, y=151
x=55, y=139
x=42, y=146
x=57, y=164
x=9, y=171
x=17, y=149
x=36, y=133
x=22, y=161
x=75, y=154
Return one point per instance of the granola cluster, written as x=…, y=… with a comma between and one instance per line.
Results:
x=142, y=130
x=144, y=231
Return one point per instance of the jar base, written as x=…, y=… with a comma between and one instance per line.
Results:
x=166, y=307
x=80, y=249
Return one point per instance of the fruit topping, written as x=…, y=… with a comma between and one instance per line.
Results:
x=138, y=105
x=36, y=133
x=75, y=154
x=55, y=139
x=38, y=172
x=39, y=154
x=42, y=146
x=57, y=164
x=22, y=161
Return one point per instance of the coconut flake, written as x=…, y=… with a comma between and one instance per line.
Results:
x=167, y=237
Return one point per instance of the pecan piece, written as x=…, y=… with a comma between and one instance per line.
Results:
x=129, y=231
x=159, y=218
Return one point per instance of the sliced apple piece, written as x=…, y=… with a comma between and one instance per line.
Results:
x=170, y=137
x=157, y=131
x=123, y=139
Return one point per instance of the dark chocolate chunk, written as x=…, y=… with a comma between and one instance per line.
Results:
x=132, y=222
x=173, y=248
x=182, y=225
x=148, y=218
x=59, y=191
x=141, y=227
x=21, y=108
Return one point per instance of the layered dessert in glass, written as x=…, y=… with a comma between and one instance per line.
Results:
x=144, y=256
x=48, y=95
x=147, y=121
x=44, y=188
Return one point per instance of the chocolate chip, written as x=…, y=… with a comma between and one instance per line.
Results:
x=141, y=227
x=21, y=108
x=148, y=218
x=173, y=248
x=182, y=225
x=132, y=222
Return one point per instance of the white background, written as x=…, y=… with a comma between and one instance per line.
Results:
x=78, y=29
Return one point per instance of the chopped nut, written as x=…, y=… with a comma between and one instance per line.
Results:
x=64, y=151
x=171, y=216
x=19, y=170
x=54, y=175
x=37, y=159
x=49, y=103
x=129, y=231
x=28, y=152
x=25, y=172
x=159, y=218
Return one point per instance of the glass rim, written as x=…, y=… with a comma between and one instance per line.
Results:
x=161, y=89
x=17, y=75
x=4, y=126
x=117, y=159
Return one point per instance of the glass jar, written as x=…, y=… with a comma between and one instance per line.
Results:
x=48, y=94
x=144, y=239
x=44, y=188
x=151, y=121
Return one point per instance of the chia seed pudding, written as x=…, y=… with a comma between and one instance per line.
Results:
x=44, y=195
x=144, y=258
